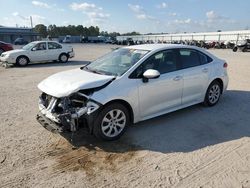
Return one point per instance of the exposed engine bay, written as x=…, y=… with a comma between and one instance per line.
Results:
x=62, y=114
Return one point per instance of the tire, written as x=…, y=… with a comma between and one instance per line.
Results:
x=110, y=128
x=63, y=58
x=213, y=94
x=244, y=49
x=1, y=51
x=235, y=49
x=22, y=61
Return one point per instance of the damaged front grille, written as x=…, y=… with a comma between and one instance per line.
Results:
x=66, y=111
x=66, y=104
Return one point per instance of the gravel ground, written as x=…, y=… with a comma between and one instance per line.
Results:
x=193, y=147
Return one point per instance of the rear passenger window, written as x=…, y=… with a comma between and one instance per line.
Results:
x=189, y=58
x=53, y=45
x=205, y=59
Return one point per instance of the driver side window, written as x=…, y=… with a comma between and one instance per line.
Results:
x=164, y=62
x=40, y=46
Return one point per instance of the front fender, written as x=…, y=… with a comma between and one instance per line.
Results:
x=124, y=91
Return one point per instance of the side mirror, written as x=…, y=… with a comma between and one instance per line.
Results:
x=34, y=49
x=150, y=74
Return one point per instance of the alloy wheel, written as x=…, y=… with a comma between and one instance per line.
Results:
x=113, y=123
x=214, y=94
x=22, y=61
x=64, y=58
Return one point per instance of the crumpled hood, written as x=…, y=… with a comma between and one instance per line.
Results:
x=65, y=83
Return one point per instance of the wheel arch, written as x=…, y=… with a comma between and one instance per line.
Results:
x=220, y=81
x=124, y=103
x=63, y=53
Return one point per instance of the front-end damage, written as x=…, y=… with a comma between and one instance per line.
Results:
x=66, y=113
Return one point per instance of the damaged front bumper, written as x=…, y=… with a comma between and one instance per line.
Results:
x=64, y=114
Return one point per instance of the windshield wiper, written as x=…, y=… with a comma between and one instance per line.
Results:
x=92, y=70
x=97, y=71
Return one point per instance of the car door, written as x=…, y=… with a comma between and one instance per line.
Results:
x=195, y=76
x=39, y=52
x=157, y=96
x=54, y=50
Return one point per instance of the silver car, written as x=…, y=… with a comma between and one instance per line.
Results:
x=129, y=85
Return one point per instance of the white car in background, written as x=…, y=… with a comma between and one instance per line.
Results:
x=38, y=51
x=129, y=85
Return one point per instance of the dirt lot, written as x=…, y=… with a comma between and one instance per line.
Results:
x=194, y=147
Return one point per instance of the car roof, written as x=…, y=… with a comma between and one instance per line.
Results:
x=43, y=41
x=152, y=47
x=158, y=47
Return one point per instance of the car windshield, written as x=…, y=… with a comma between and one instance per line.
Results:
x=29, y=46
x=116, y=62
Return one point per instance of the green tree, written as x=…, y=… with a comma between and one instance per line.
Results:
x=77, y=30
x=131, y=33
x=93, y=31
x=41, y=29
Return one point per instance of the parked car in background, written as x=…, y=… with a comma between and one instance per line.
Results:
x=129, y=85
x=67, y=39
x=20, y=41
x=38, y=51
x=5, y=47
x=110, y=40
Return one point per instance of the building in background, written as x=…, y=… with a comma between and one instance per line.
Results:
x=10, y=34
x=219, y=36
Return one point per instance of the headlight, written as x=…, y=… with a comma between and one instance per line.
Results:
x=6, y=55
x=80, y=101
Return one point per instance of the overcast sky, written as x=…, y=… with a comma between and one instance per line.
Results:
x=144, y=16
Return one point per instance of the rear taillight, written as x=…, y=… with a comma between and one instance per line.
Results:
x=225, y=65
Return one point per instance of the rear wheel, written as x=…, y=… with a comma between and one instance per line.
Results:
x=63, y=58
x=213, y=94
x=111, y=122
x=22, y=61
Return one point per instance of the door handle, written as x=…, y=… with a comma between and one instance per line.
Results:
x=205, y=70
x=177, y=78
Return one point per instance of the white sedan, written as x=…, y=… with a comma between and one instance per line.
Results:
x=129, y=85
x=38, y=51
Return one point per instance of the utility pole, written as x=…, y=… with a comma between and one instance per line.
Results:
x=31, y=23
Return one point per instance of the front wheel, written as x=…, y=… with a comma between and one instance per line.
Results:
x=111, y=122
x=213, y=94
x=63, y=58
x=22, y=61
